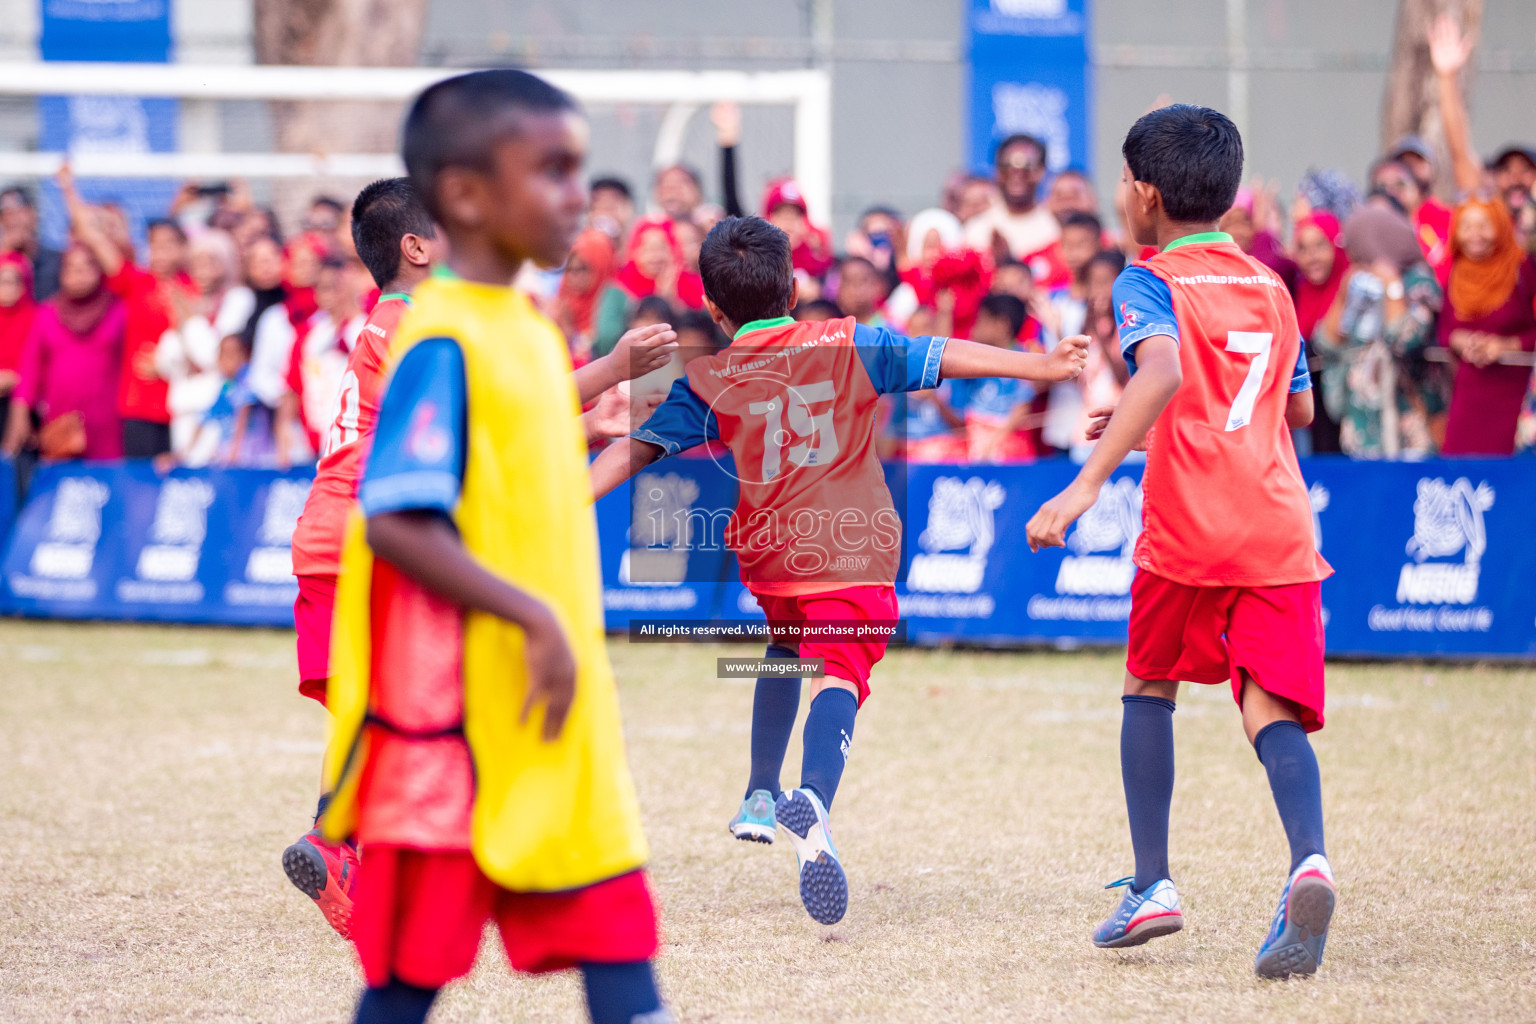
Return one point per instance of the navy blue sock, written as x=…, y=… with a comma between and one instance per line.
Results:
x=1287, y=756
x=774, y=707
x=395, y=1003
x=828, y=734
x=619, y=993
x=1146, y=769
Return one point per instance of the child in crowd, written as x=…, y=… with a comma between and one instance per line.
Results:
x=996, y=410
x=237, y=429
x=1228, y=586
x=814, y=531
x=478, y=756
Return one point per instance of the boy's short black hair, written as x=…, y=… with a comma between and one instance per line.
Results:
x=744, y=262
x=1114, y=259
x=1006, y=307
x=1192, y=155
x=165, y=224
x=652, y=307
x=458, y=121
x=819, y=309
x=1011, y=261
x=1080, y=219
x=612, y=184
x=1016, y=138
x=383, y=213
x=329, y=202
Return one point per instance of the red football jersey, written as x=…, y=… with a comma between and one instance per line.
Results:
x=1224, y=501
x=796, y=405
x=317, y=538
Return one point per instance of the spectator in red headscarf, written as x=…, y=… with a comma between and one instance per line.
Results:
x=17, y=310
x=70, y=368
x=302, y=258
x=587, y=271
x=940, y=273
x=810, y=247
x=1323, y=267
x=653, y=265
x=1487, y=321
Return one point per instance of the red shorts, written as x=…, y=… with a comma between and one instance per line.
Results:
x=852, y=659
x=312, y=618
x=1213, y=634
x=419, y=915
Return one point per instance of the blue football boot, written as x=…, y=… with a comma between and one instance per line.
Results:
x=755, y=821
x=1141, y=915
x=1300, y=929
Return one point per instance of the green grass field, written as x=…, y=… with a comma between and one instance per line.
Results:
x=150, y=777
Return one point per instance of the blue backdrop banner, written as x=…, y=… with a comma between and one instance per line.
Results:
x=1432, y=558
x=1029, y=73
x=124, y=542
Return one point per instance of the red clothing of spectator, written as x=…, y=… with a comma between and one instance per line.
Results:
x=965, y=273
x=301, y=298
x=1485, y=400
x=72, y=363
x=1314, y=300
x=16, y=320
x=1432, y=224
x=147, y=304
x=1048, y=269
x=689, y=289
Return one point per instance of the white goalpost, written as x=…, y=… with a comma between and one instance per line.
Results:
x=202, y=90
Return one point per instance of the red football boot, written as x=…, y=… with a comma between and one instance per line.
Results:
x=326, y=873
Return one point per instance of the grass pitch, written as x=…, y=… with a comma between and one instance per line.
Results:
x=150, y=778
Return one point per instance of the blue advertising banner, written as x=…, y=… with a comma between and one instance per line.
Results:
x=1030, y=73
x=121, y=541
x=107, y=30
x=8, y=496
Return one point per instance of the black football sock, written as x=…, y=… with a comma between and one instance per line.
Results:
x=774, y=707
x=1146, y=769
x=1287, y=756
x=395, y=1003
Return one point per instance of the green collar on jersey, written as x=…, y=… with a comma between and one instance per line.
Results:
x=402, y=296
x=443, y=272
x=758, y=325
x=1198, y=236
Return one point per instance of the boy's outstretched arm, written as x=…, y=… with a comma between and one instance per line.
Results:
x=425, y=546
x=972, y=359
x=620, y=461
x=1152, y=387
x=637, y=353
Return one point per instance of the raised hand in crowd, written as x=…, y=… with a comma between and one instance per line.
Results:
x=726, y=117
x=1449, y=51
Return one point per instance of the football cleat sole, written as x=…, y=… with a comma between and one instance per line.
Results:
x=823, y=885
x=1299, y=948
x=305, y=868
x=753, y=833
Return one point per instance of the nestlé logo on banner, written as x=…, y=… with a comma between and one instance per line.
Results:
x=61, y=563
x=1093, y=583
x=960, y=532
x=1437, y=588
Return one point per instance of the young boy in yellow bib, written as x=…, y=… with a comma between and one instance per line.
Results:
x=478, y=755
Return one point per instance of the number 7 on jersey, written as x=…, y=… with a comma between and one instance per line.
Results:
x=1256, y=344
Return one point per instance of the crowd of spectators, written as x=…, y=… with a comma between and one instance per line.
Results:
x=224, y=341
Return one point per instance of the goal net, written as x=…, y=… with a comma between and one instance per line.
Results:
x=135, y=133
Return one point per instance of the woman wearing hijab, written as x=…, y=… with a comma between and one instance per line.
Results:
x=1488, y=319
x=587, y=271
x=17, y=311
x=1375, y=382
x=187, y=357
x=70, y=368
x=1322, y=268
x=653, y=265
x=941, y=273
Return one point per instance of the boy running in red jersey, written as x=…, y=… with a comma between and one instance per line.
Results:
x=397, y=241
x=814, y=530
x=1228, y=586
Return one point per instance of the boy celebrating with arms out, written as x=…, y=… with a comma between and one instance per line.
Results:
x=814, y=529
x=478, y=755
x=1228, y=581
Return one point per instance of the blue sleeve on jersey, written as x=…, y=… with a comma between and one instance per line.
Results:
x=1301, y=377
x=896, y=362
x=417, y=460
x=1144, y=307
x=681, y=422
